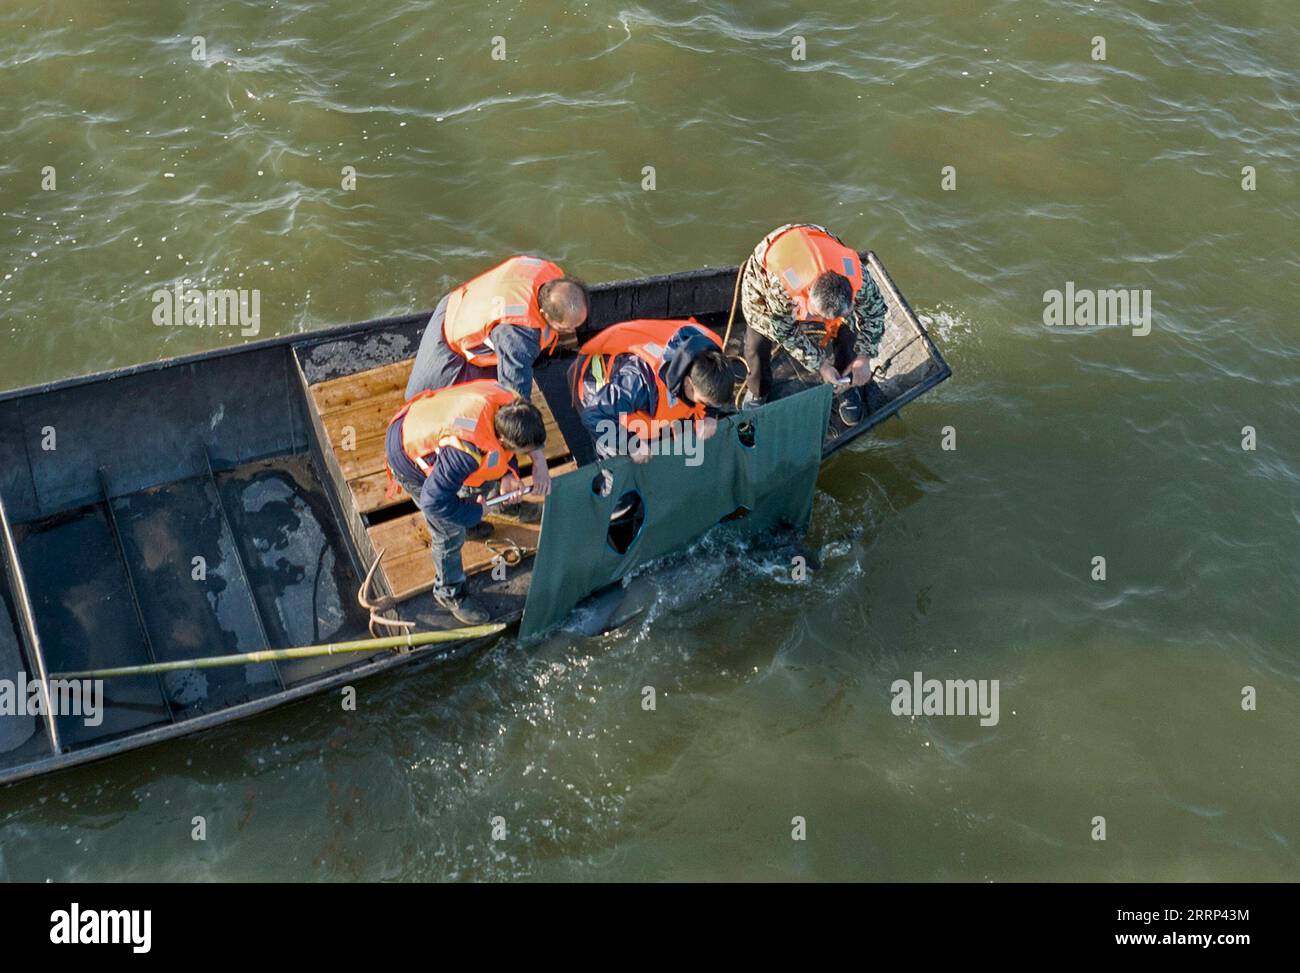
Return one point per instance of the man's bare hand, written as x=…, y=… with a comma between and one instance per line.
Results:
x=541, y=475
x=640, y=453
x=706, y=427
x=510, y=483
x=828, y=373
x=860, y=371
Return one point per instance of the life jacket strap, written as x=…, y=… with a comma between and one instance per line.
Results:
x=832, y=329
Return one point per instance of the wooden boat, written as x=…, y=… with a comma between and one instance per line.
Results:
x=228, y=501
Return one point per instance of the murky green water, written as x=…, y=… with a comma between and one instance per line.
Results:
x=1119, y=699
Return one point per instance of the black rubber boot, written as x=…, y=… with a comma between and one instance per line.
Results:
x=851, y=408
x=467, y=609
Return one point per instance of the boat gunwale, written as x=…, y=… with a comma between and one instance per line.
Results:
x=231, y=714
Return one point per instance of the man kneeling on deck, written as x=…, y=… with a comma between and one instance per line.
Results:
x=639, y=378
x=806, y=292
x=497, y=326
x=442, y=447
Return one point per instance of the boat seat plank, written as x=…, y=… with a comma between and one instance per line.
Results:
x=370, y=491
x=369, y=455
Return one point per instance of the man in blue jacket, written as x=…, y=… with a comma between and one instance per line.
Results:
x=445, y=454
x=648, y=375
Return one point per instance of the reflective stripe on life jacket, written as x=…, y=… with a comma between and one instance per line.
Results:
x=647, y=339
x=457, y=417
x=798, y=255
x=506, y=294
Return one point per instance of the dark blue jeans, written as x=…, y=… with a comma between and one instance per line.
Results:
x=446, y=538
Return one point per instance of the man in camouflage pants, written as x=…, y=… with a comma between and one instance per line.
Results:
x=804, y=291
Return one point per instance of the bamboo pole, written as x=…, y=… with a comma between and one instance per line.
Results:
x=411, y=639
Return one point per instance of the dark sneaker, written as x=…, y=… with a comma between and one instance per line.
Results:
x=479, y=532
x=525, y=513
x=851, y=408
x=467, y=609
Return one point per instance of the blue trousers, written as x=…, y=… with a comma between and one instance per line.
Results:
x=446, y=538
x=436, y=365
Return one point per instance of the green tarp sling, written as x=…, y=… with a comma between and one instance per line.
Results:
x=773, y=481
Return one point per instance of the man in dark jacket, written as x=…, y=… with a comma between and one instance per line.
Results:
x=641, y=377
x=830, y=321
x=498, y=325
x=451, y=480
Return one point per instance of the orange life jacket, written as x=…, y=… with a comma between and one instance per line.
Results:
x=798, y=255
x=457, y=417
x=506, y=294
x=647, y=339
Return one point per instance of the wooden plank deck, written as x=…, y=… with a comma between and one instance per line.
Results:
x=408, y=565
x=355, y=411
